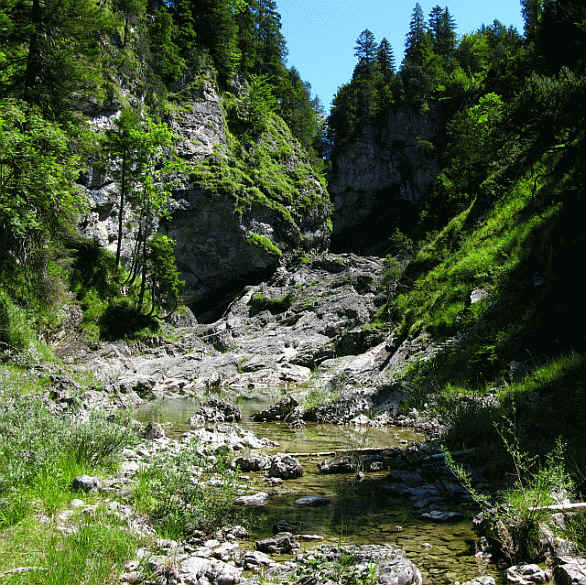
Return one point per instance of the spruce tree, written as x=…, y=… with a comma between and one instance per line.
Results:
x=386, y=60
x=443, y=31
x=366, y=48
x=417, y=41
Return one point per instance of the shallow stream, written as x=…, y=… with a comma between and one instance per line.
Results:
x=359, y=512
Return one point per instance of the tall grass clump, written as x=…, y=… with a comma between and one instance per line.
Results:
x=186, y=492
x=514, y=521
x=41, y=453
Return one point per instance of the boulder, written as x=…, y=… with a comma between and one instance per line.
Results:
x=570, y=571
x=280, y=411
x=216, y=411
x=343, y=464
x=154, y=431
x=283, y=542
x=285, y=467
x=87, y=483
x=199, y=570
x=247, y=464
x=526, y=575
x=258, y=499
x=253, y=559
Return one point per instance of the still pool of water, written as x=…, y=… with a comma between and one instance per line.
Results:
x=359, y=512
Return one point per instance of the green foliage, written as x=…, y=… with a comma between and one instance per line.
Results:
x=163, y=273
x=176, y=491
x=42, y=453
x=38, y=198
x=122, y=318
x=264, y=243
x=513, y=526
x=258, y=302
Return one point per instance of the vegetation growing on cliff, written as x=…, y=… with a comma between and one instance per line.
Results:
x=499, y=236
x=62, y=64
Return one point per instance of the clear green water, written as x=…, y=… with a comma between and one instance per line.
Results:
x=359, y=512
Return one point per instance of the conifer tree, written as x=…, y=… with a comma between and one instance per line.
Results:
x=386, y=60
x=417, y=41
x=443, y=31
x=366, y=48
x=531, y=11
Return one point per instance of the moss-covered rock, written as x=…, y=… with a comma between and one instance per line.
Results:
x=244, y=205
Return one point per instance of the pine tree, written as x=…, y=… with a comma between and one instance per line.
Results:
x=443, y=31
x=272, y=46
x=168, y=61
x=52, y=53
x=531, y=11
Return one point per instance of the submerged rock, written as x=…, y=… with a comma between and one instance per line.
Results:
x=312, y=501
x=485, y=580
x=343, y=464
x=258, y=499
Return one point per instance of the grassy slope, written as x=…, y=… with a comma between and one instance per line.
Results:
x=526, y=338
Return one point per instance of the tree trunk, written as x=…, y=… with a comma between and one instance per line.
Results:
x=121, y=210
x=33, y=65
x=143, y=275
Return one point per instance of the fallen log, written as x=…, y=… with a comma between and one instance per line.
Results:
x=363, y=450
x=20, y=570
x=576, y=507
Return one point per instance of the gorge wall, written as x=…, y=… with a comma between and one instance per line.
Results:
x=379, y=177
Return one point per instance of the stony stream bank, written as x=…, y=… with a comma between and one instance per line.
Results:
x=289, y=399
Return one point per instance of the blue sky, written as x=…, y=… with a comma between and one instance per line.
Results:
x=321, y=33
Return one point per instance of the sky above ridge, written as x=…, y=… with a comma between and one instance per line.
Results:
x=321, y=34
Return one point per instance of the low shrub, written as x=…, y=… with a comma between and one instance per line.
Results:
x=258, y=303
x=122, y=319
x=186, y=492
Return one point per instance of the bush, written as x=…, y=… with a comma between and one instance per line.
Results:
x=513, y=522
x=122, y=319
x=258, y=302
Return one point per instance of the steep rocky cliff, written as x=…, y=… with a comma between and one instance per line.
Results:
x=380, y=175
x=236, y=210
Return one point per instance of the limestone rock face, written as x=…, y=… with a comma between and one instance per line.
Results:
x=383, y=166
x=230, y=229
x=201, y=126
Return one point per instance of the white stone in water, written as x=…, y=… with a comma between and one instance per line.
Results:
x=258, y=499
x=312, y=501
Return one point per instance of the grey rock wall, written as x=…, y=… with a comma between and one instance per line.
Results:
x=395, y=162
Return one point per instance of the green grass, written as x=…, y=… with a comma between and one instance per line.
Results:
x=258, y=302
x=175, y=491
x=264, y=243
x=40, y=455
x=94, y=555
